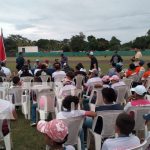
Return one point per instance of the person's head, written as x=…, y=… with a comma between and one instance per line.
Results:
x=114, y=79
x=141, y=63
x=106, y=79
x=118, y=68
x=57, y=66
x=3, y=64
x=68, y=101
x=55, y=131
x=43, y=66
x=124, y=124
x=62, y=55
x=70, y=75
x=28, y=61
x=46, y=61
x=25, y=68
x=113, y=64
x=148, y=65
x=109, y=95
x=37, y=61
x=16, y=80
x=139, y=91
x=20, y=54
x=90, y=54
x=80, y=65
x=132, y=66
x=77, y=68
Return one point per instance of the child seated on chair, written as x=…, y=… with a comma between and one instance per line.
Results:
x=68, y=113
x=56, y=133
x=124, y=127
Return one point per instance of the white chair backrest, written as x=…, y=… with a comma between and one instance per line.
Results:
x=121, y=93
x=16, y=93
x=141, y=72
x=26, y=82
x=59, y=77
x=74, y=125
x=134, y=77
x=109, y=119
x=3, y=92
x=49, y=101
x=99, y=97
x=79, y=81
x=142, y=146
x=138, y=112
x=45, y=78
x=128, y=82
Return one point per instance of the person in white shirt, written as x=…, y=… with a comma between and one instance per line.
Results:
x=5, y=69
x=125, y=140
x=93, y=78
x=58, y=74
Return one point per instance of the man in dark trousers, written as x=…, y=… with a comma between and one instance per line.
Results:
x=94, y=62
x=116, y=58
x=20, y=61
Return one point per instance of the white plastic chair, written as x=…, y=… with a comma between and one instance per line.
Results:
x=79, y=81
x=3, y=93
x=134, y=77
x=128, y=82
x=141, y=72
x=7, y=138
x=108, y=128
x=45, y=79
x=74, y=125
x=25, y=101
x=142, y=146
x=99, y=98
x=121, y=94
x=138, y=112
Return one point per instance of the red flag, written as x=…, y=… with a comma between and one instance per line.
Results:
x=2, y=48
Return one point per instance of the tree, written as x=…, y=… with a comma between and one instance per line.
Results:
x=43, y=44
x=140, y=42
x=92, y=43
x=77, y=42
x=114, y=43
x=148, y=32
x=102, y=44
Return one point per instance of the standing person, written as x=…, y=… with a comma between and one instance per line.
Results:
x=138, y=54
x=116, y=58
x=94, y=62
x=20, y=61
x=63, y=60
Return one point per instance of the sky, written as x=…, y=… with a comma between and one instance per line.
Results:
x=60, y=19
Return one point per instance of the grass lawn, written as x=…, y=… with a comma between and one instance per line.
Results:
x=25, y=137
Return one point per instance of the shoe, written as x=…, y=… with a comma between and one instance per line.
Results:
x=33, y=124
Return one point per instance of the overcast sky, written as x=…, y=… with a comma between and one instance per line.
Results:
x=59, y=19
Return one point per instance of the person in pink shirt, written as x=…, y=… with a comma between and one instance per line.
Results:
x=137, y=99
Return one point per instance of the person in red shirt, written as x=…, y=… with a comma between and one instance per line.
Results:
x=131, y=71
x=147, y=73
x=140, y=67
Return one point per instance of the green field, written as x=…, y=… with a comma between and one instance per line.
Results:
x=25, y=137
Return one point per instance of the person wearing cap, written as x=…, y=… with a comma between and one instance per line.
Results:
x=94, y=62
x=56, y=134
x=37, y=64
x=137, y=99
x=115, y=82
x=140, y=67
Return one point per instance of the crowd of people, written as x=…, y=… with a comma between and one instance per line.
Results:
x=56, y=130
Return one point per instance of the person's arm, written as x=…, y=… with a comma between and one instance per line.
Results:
x=90, y=113
x=14, y=114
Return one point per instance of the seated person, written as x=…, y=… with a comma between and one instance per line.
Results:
x=93, y=79
x=112, y=70
x=137, y=99
x=58, y=72
x=68, y=84
x=131, y=71
x=147, y=73
x=56, y=133
x=25, y=72
x=140, y=67
x=106, y=81
x=115, y=82
x=124, y=127
x=16, y=82
x=109, y=98
x=68, y=113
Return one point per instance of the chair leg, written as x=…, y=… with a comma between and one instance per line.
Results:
x=7, y=141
